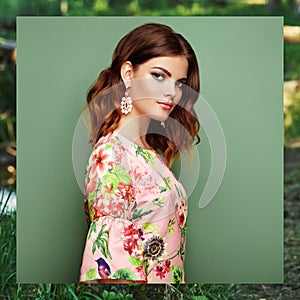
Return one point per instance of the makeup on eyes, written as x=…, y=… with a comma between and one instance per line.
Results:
x=179, y=84
x=160, y=76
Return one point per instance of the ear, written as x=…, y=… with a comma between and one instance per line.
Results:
x=126, y=72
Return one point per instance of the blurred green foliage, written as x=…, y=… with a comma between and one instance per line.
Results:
x=9, y=9
x=291, y=62
x=7, y=89
x=292, y=118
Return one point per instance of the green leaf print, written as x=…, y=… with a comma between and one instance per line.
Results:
x=121, y=173
x=101, y=242
x=146, y=155
x=151, y=227
x=108, y=146
x=138, y=213
x=135, y=262
x=179, y=192
x=91, y=213
x=170, y=224
x=177, y=274
x=167, y=187
x=91, y=274
x=183, y=230
x=110, y=179
x=167, y=181
x=147, y=267
x=158, y=201
x=91, y=196
x=162, y=189
x=181, y=251
x=125, y=274
x=93, y=228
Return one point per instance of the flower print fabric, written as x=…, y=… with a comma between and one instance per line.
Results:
x=136, y=210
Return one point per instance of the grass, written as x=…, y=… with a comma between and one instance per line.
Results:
x=7, y=248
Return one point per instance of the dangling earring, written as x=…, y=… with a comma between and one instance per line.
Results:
x=162, y=123
x=126, y=103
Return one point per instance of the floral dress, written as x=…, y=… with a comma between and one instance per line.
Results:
x=136, y=210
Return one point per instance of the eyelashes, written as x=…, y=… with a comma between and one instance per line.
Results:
x=158, y=76
x=161, y=77
x=179, y=84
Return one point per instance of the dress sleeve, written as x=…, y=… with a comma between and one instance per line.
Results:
x=113, y=247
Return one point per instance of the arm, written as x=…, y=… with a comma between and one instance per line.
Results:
x=113, y=247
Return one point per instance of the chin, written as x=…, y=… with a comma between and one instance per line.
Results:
x=160, y=117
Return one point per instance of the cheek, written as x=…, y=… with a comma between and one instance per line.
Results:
x=147, y=89
x=178, y=96
x=142, y=89
x=145, y=105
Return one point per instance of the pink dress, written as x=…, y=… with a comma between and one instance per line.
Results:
x=137, y=212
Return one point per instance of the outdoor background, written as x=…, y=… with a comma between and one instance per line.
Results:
x=236, y=231
x=289, y=9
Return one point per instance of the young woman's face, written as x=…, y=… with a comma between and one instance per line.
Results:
x=156, y=86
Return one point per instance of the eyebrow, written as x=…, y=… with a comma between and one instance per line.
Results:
x=169, y=74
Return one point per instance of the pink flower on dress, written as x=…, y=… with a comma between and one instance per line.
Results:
x=102, y=161
x=161, y=270
x=117, y=207
x=141, y=271
x=98, y=212
x=132, y=239
x=140, y=174
x=181, y=218
x=166, y=265
x=101, y=207
x=181, y=212
x=90, y=184
x=125, y=191
x=129, y=245
x=180, y=205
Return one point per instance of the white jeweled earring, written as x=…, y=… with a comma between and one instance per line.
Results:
x=126, y=103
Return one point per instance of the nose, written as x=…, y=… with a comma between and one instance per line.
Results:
x=170, y=89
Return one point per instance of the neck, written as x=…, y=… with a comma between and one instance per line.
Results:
x=135, y=128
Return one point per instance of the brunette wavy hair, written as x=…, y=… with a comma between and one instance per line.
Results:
x=141, y=44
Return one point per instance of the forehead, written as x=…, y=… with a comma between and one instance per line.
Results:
x=176, y=65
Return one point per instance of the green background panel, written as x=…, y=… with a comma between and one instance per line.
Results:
x=238, y=237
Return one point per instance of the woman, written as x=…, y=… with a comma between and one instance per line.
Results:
x=135, y=206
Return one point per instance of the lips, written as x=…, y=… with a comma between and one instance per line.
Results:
x=165, y=105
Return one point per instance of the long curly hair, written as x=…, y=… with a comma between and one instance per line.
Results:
x=141, y=44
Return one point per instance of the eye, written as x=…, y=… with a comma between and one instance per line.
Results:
x=179, y=84
x=158, y=76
